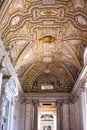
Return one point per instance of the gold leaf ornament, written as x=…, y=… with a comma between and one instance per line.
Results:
x=29, y=25
x=47, y=39
x=27, y=5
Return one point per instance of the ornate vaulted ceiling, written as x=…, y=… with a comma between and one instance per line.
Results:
x=45, y=40
x=1, y=2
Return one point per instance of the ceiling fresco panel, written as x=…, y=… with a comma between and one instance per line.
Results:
x=45, y=41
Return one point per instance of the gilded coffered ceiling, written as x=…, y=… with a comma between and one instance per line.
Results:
x=45, y=40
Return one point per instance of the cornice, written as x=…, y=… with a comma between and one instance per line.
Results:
x=46, y=96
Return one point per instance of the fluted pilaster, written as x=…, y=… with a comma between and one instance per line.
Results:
x=29, y=115
x=59, y=104
x=35, y=123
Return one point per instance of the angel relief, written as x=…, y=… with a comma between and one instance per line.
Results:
x=46, y=127
x=59, y=85
x=35, y=85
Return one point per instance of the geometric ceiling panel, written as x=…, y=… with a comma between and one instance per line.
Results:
x=45, y=41
x=55, y=74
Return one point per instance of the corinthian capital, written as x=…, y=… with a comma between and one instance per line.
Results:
x=28, y=101
x=35, y=101
x=73, y=98
x=59, y=103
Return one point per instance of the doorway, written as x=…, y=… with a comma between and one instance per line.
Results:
x=47, y=116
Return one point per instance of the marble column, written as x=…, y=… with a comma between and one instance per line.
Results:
x=1, y=100
x=77, y=115
x=11, y=114
x=17, y=114
x=16, y=111
x=66, y=116
x=80, y=109
x=1, y=109
x=1, y=75
x=35, y=120
x=83, y=104
x=29, y=115
x=86, y=104
x=59, y=112
x=4, y=112
x=72, y=113
x=22, y=115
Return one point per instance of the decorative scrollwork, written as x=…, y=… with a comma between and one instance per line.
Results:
x=46, y=34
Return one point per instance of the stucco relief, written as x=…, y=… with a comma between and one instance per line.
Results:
x=40, y=35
